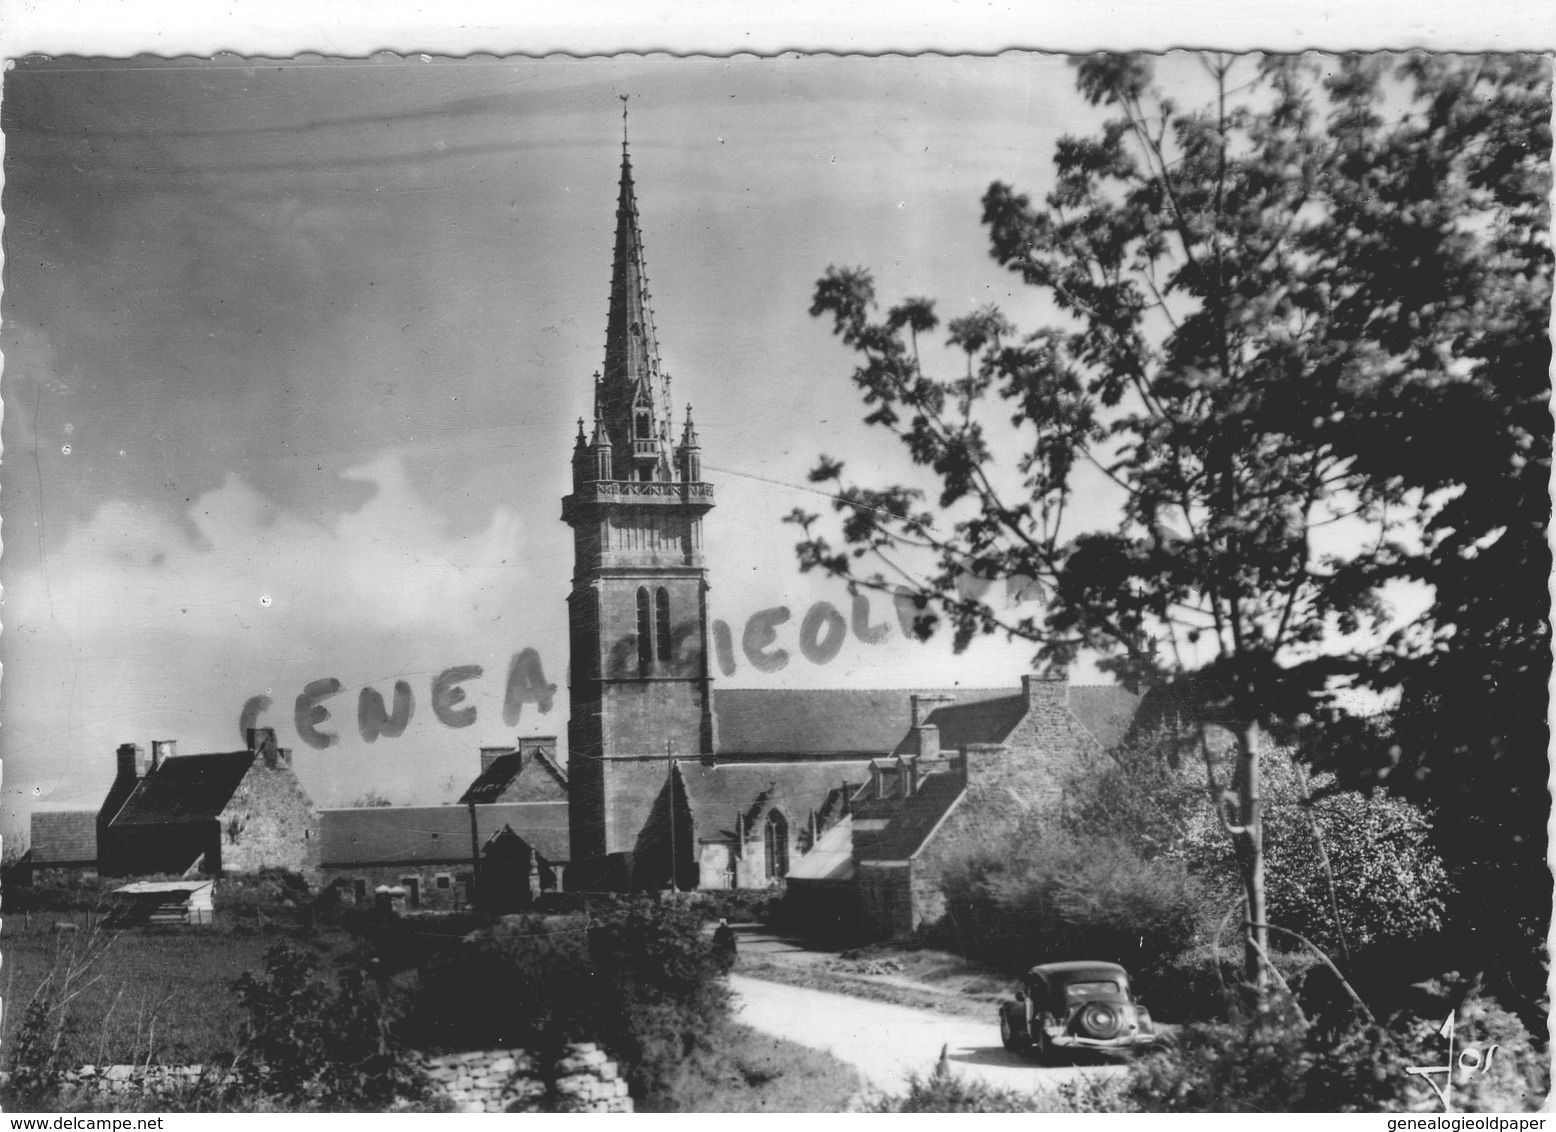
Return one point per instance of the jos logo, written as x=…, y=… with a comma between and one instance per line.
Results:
x=1470, y=1059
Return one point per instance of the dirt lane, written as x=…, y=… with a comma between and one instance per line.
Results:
x=887, y=1043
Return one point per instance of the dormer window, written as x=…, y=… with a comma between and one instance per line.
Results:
x=645, y=426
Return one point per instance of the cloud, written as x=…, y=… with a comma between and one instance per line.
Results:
x=136, y=631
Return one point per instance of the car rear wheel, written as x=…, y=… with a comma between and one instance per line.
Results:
x=1012, y=1040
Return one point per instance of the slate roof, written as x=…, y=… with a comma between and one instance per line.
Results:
x=800, y=721
x=63, y=834
x=717, y=794
x=1105, y=710
x=433, y=835
x=495, y=779
x=985, y=721
x=914, y=820
x=185, y=788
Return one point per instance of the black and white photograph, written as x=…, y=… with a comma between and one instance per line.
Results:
x=791, y=581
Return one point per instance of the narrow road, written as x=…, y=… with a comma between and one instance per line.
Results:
x=888, y=1043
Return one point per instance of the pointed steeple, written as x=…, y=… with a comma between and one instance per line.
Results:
x=688, y=454
x=633, y=406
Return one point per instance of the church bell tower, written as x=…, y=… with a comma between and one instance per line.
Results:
x=641, y=693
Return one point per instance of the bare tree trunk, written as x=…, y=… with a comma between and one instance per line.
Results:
x=1245, y=799
x=1252, y=822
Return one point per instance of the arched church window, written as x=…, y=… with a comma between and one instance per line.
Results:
x=645, y=632
x=777, y=845
x=645, y=428
x=662, y=622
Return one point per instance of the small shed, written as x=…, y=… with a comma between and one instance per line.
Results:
x=165, y=902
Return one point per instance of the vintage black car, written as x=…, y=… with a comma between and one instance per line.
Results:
x=1068, y=1008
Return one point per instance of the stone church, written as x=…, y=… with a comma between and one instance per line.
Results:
x=672, y=781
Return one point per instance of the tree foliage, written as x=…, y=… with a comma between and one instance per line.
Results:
x=1036, y=895
x=326, y=1044
x=1298, y=321
x=639, y=976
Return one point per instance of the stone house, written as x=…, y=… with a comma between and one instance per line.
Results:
x=964, y=767
x=226, y=812
x=502, y=845
x=427, y=851
x=62, y=837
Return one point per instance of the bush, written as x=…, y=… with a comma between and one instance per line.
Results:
x=1277, y=1061
x=1041, y=896
x=1389, y=883
x=639, y=976
x=739, y=905
x=945, y=1091
x=59, y=891
x=1146, y=794
x=1265, y=1062
x=315, y=1044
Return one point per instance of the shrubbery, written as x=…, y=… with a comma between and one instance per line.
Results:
x=1041, y=896
x=639, y=976
x=321, y=1045
x=946, y=1091
x=1278, y=1061
x=739, y=905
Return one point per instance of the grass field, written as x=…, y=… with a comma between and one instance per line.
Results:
x=163, y=995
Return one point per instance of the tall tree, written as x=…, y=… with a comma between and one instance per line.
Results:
x=1271, y=308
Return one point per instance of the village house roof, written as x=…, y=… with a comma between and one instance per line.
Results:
x=913, y=819
x=185, y=788
x=820, y=722
x=1105, y=710
x=63, y=833
x=435, y=835
x=505, y=770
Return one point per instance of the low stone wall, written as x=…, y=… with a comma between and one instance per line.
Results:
x=500, y=1080
x=121, y=1080
x=510, y=1081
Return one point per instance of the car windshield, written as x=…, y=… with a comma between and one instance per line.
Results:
x=1080, y=992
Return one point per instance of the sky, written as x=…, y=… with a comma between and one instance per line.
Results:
x=295, y=351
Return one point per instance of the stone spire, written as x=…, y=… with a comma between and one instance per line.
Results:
x=633, y=405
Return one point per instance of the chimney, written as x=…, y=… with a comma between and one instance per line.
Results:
x=161, y=751
x=489, y=755
x=908, y=771
x=528, y=744
x=132, y=760
x=926, y=735
x=262, y=741
x=1046, y=692
x=924, y=705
